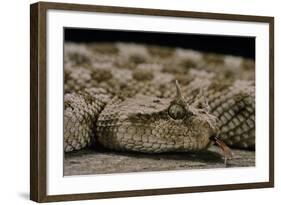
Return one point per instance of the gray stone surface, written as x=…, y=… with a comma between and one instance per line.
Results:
x=86, y=162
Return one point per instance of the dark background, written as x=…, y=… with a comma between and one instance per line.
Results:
x=240, y=46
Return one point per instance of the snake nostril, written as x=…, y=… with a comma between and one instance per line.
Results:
x=212, y=137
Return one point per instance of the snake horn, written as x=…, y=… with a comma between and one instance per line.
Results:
x=179, y=94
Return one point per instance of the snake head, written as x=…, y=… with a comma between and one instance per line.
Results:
x=198, y=125
x=153, y=125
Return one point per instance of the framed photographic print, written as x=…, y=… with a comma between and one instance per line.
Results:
x=134, y=102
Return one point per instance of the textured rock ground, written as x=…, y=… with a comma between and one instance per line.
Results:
x=86, y=162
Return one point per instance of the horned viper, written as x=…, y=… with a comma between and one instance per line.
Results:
x=154, y=99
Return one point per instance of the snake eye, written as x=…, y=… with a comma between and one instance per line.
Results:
x=176, y=111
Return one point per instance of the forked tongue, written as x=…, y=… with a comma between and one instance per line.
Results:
x=225, y=149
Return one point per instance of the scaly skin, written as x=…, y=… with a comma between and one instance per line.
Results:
x=126, y=107
x=143, y=124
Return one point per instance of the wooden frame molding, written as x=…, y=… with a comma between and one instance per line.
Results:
x=38, y=101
